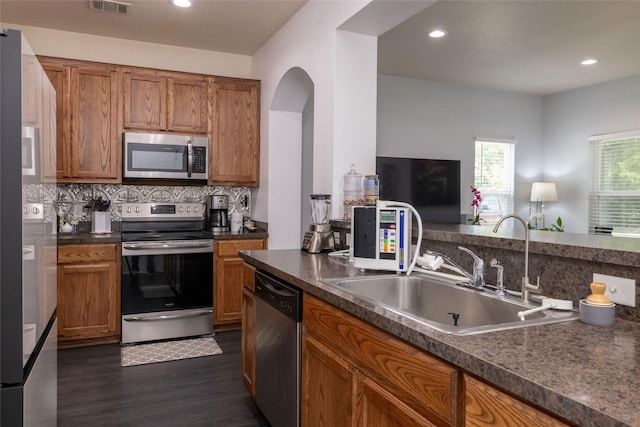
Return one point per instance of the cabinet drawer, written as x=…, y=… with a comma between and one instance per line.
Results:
x=486, y=406
x=425, y=384
x=87, y=253
x=231, y=247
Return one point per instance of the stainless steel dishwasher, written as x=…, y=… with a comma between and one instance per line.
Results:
x=278, y=350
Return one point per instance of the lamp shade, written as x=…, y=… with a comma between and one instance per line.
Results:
x=543, y=192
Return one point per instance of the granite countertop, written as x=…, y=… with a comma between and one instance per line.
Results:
x=590, y=247
x=81, y=237
x=589, y=375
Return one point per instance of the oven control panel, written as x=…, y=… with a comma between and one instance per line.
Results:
x=163, y=211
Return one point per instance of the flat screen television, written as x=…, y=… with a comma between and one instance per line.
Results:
x=431, y=186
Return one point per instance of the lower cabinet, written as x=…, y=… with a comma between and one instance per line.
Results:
x=356, y=375
x=89, y=292
x=227, y=282
x=249, y=329
x=488, y=406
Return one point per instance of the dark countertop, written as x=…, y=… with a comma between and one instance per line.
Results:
x=116, y=237
x=587, y=374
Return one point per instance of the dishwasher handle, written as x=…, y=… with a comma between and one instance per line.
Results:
x=280, y=290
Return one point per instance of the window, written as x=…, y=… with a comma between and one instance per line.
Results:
x=494, y=177
x=614, y=182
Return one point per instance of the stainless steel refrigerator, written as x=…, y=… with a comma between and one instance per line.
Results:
x=28, y=334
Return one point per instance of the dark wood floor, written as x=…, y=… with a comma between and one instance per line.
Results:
x=94, y=390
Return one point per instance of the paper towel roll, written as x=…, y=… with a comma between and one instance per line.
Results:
x=236, y=222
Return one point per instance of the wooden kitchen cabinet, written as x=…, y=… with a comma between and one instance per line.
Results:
x=228, y=278
x=88, y=118
x=249, y=328
x=357, y=375
x=235, y=132
x=166, y=101
x=487, y=406
x=89, y=292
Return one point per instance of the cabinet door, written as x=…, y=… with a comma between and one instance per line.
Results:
x=249, y=340
x=328, y=387
x=377, y=407
x=95, y=135
x=59, y=76
x=145, y=100
x=49, y=131
x=87, y=300
x=235, y=147
x=187, y=104
x=228, y=295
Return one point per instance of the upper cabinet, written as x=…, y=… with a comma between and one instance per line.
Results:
x=235, y=132
x=96, y=102
x=89, y=129
x=165, y=101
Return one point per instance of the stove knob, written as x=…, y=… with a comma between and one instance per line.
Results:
x=195, y=209
x=188, y=208
x=137, y=209
x=36, y=211
x=26, y=210
x=128, y=209
x=180, y=209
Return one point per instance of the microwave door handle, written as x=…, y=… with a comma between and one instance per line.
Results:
x=189, y=158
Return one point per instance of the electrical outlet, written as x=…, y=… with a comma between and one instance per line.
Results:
x=619, y=290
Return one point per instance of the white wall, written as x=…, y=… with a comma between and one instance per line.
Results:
x=65, y=44
x=425, y=119
x=569, y=119
x=418, y=118
x=309, y=41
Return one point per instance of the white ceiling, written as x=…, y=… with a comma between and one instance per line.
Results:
x=527, y=46
x=232, y=26
x=520, y=46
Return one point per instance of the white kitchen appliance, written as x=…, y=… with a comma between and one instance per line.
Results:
x=382, y=236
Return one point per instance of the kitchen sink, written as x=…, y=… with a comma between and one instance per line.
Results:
x=445, y=306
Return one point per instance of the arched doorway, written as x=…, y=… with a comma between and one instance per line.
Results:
x=291, y=123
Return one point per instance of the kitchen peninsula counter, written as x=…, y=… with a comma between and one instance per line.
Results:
x=586, y=374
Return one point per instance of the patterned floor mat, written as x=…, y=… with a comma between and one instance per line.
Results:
x=142, y=354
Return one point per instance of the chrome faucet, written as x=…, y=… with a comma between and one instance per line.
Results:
x=478, y=268
x=476, y=279
x=526, y=286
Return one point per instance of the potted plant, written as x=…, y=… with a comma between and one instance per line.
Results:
x=100, y=215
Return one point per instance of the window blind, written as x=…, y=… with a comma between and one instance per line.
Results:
x=494, y=177
x=614, y=182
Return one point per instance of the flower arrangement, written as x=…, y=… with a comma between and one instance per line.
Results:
x=475, y=203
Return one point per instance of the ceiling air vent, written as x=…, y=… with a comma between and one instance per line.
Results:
x=110, y=6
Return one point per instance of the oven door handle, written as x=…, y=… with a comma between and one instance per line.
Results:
x=134, y=247
x=167, y=317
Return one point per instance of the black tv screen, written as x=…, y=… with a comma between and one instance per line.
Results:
x=431, y=186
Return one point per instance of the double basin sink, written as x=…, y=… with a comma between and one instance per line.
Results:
x=446, y=306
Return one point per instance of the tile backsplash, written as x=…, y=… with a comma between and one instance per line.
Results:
x=71, y=199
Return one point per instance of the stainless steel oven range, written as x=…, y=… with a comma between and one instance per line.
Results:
x=167, y=271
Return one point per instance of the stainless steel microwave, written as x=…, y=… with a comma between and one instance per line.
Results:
x=165, y=156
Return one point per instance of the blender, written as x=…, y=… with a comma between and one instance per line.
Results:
x=319, y=238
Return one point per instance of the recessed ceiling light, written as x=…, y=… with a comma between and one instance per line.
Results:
x=182, y=3
x=436, y=34
x=589, y=61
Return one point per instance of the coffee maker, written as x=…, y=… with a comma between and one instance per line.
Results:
x=218, y=205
